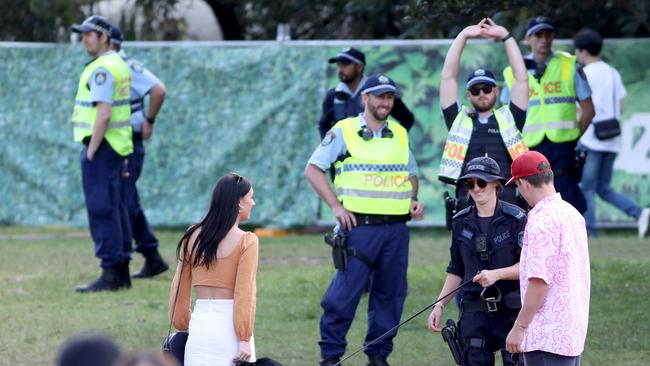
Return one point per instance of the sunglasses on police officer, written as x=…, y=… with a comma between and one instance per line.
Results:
x=470, y=184
x=475, y=91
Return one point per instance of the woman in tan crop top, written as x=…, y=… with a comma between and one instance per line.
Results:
x=219, y=260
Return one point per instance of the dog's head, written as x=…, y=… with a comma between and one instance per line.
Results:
x=260, y=362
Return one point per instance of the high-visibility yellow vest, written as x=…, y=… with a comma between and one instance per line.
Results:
x=118, y=134
x=374, y=178
x=551, y=103
x=460, y=133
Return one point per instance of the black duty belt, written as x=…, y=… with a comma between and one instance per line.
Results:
x=478, y=306
x=137, y=135
x=364, y=219
x=86, y=140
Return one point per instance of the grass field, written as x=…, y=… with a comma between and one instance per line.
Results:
x=39, y=269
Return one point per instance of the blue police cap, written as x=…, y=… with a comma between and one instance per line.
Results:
x=537, y=25
x=94, y=23
x=378, y=85
x=349, y=55
x=481, y=76
x=484, y=168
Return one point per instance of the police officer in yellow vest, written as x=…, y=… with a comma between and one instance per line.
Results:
x=376, y=193
x=552, y=126
x=101, y=122
x=482, y=130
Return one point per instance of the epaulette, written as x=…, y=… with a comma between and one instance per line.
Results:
x=512, y=210
x=462, y=212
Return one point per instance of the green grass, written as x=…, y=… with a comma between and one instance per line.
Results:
x=39, y=269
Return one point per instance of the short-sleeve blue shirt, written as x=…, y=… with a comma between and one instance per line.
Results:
x=580, y=83
x=333, y=146
x=142, y=80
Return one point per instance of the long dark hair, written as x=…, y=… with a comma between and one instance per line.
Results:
x=221, y=217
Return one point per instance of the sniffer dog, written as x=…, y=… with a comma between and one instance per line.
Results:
x=265, y=361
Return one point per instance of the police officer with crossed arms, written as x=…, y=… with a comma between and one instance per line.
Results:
x=376, y=193
x=485, y=248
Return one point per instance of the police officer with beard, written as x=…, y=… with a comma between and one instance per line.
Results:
x=344, y=100
x=485, y=248
x=482, y=130
x=376, y=193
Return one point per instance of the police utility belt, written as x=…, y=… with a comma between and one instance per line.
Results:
x=491, y=300
x=337, y=239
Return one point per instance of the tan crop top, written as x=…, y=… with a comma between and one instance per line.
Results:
x=236, y=271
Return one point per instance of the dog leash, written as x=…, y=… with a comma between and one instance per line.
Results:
x=402, y=323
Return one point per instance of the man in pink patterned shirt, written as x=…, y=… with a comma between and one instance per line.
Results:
x=554, y=271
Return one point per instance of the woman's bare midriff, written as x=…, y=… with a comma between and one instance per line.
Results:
x=209, y=292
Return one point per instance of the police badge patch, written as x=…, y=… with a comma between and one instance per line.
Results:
x=329, y=137
x=100, y=78
x=137, y=67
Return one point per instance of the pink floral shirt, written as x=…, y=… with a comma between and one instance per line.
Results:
x=555, y=250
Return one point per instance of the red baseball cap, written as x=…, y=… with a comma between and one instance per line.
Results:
x=527, y=164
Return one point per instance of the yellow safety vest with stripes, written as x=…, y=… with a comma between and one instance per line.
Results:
x=374, y=178
x=118, y=134
x=551, y=103
x=460, y=133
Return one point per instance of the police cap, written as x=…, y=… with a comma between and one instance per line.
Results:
x=484, y=168
x=94, y=23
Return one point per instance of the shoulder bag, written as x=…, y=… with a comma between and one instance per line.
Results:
x=609, y=128
x=174, y=343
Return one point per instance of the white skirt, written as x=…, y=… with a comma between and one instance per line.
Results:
x=212, y=340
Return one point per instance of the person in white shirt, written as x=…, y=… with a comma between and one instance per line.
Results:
x=608, y=92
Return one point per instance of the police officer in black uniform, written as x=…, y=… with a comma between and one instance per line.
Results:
x=485, y=248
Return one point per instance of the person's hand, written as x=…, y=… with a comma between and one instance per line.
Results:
x=244, y=353
x=89, y=156
x=473, y=31
x=515, y=339
x=147, y=130
x=345, y=217
x=417, y=210
x=434, y=318
x=485, y=278
x=491, y=30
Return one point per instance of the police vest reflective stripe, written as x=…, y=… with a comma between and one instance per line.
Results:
x=374, y=178
x=552, y=102
x=460, y=134
x=118, y=134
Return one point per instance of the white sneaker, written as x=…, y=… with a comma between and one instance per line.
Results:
x=644, y=223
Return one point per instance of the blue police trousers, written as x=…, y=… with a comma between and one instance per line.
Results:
x=107, y=215
x=562, y=157
x=386, y=246
x=146, y=242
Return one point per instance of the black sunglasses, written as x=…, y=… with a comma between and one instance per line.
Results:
x=487, y=89
x=479, y=182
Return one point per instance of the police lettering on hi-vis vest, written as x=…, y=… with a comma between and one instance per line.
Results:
x=485, y=248
x=376, y=193
x=344, y=100
x=481, y=130
x=552, y=125
x=101, y=121
x=143, y=83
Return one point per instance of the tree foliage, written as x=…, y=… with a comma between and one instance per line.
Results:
x=49, y=20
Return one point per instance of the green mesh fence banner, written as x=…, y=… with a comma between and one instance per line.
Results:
x=252, y=109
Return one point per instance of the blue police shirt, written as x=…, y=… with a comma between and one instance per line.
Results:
x=333, y=146
x=580, y=83
x=142, y=80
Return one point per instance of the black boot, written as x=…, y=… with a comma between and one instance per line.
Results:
x=125, y=276
x=377, y=361
x=330, y=361
x=111, y=279
x=153, y=265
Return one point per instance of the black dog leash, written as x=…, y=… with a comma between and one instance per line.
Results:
x=404, y=322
